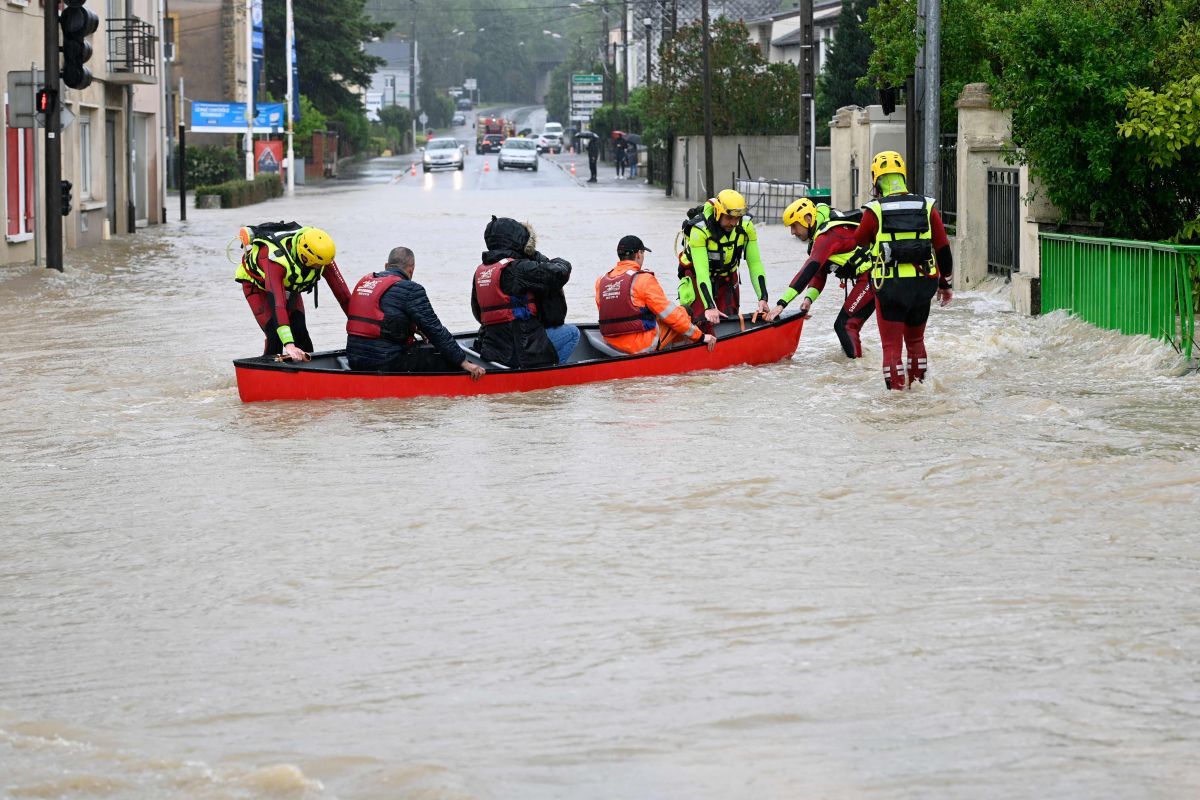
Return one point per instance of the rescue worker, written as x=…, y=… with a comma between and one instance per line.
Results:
x=635, y=315
x=517, y=296
x=387, y=310
x=903, y=243
x=280, y=261
x=830, y=237
x=718, y=236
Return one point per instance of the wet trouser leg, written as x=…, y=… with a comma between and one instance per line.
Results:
x=592, y=167
x=263, y=309
x=858, y=308
x=726, y=297
x=903, y=312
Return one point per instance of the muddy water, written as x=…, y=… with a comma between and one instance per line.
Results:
x=775, y=582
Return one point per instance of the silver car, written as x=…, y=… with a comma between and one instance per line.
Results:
x=519, y=153
x=443, y=154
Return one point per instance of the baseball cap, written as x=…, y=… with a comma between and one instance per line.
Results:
x=630, y=245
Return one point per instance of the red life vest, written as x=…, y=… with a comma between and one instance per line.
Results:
x=365, y=318
x=496, y=307
x=618, y=314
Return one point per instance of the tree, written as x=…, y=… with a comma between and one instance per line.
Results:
x=329, y=39
x=839, y=83
x=1068, y=96
x=749, y=96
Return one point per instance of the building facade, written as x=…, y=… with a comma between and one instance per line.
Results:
x=112, y=150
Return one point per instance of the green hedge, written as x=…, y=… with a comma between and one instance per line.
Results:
x=235, y=194
x=208, y=164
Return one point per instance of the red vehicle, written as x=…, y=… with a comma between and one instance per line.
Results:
x=486, y=126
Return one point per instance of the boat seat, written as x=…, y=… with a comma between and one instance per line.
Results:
x=597, y=341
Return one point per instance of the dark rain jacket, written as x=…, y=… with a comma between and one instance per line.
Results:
x=522, y=342
x=406, y=309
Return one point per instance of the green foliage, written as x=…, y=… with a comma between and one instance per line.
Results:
x=329, y=39
x=395, y=123
x=1067, y=96
x=352, y=128
x=749, y=96
x=1099, y=92
x=311, y=120
x=211, y=164
x=838, y=84
x=235, y=194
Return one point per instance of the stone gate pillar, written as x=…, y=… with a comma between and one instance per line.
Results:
x=984, y=135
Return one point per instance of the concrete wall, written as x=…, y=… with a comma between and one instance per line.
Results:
x=770, y=158
x=855, y=136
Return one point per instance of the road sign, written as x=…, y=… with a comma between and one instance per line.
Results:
x=587, y=79
x=470, y=84
x=423, y=118
x=231, y=117
x=22, y=85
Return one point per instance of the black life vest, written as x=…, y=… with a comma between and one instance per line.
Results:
x=365, y=316
x=618, y=314
x=496, y=307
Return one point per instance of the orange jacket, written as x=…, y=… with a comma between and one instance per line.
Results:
x=648, y=294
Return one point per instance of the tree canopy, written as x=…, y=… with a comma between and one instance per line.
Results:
x=749, y=96
x=1103, y=128
x=329, y=39
x=840, y=82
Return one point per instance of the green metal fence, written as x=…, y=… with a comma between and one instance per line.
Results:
x=1127, y=286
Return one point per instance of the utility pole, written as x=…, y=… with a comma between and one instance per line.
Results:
x=291, y=155
x=808, y=134
x=671, y=132
x=708, y=123
x=52, y=224
x=249, y=144
x=933, y=95
x=625, y=52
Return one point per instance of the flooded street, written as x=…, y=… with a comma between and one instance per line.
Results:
x=769, y=582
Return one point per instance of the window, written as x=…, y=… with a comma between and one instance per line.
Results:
x=85, y=155
x=18, y=191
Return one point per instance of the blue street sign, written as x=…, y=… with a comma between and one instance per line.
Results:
x=231, y=118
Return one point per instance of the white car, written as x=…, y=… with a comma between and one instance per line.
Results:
x=554, y=127
x=519, y=153
x=443, y=154
x=549, y=142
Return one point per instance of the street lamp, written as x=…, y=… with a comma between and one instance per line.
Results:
x=649, y=23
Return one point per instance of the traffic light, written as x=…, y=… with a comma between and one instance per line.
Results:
x=46, y=101
x=77, y=24
x=66, y=197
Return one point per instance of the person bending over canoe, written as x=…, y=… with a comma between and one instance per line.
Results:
x=280, y=260
x=830, y=237
x=517, y=296
x=635, y=315
x=387, y=310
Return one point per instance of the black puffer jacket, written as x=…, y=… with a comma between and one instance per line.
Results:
x=522, y=342
x=406, y=309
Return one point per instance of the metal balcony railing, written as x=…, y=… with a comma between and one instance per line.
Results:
x=132, y=51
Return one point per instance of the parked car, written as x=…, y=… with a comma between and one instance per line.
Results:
x=443, y=153
x=518, y=153
x=464, y=104
x=490, y=143
x=458, y=119
x=549, y=142
x=554, y=127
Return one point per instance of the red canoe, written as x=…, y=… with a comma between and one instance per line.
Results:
x=328, y=376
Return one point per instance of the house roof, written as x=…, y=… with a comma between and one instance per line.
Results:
x=395, y=53
x=818, y=7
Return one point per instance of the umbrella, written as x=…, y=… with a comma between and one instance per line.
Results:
x=636, y=138
x=587, y=135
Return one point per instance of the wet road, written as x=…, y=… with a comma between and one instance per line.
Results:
x=775, y=582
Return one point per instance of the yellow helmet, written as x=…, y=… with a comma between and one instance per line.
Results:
x=314, y=247
x=886, y=163
x=802, y=211
x=729, y=202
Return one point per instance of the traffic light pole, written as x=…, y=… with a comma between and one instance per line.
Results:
x=52, y=222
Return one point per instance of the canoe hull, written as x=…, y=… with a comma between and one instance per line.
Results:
x=261, y=379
